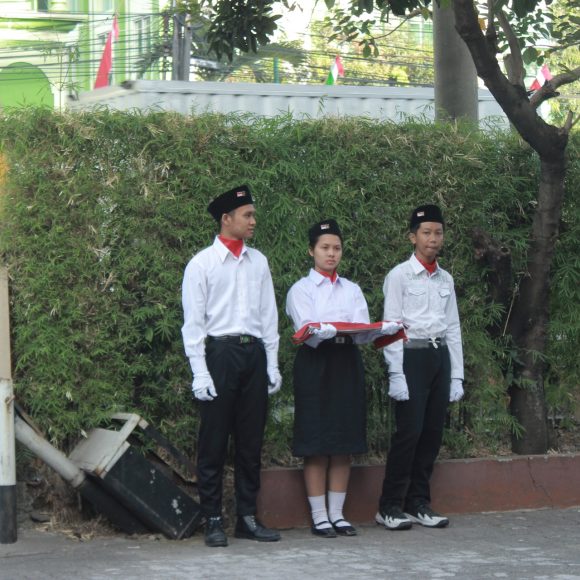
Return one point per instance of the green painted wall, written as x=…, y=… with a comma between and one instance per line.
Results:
x=23, y=84
x=42, y=40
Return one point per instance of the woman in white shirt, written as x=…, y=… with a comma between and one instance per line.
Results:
x=329, y=387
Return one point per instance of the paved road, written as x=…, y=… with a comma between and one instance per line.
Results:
x=539, y=545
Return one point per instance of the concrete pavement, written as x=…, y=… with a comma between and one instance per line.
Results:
x=538, y=545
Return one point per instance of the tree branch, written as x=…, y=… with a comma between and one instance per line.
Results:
x=547, y=140
x=404, y=19
x=514, y=61
x=549, y=90
x=491, y=32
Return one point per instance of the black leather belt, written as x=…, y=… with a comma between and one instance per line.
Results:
x=234, y=338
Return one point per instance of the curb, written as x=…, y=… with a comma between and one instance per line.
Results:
x=457, y=486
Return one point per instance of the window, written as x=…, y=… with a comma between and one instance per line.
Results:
x=139, y=35
x=42, y=5
x=143, y=35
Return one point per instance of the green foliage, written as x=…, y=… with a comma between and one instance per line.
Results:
x=237, y=25
x=102, y=211
x=563, y=361
x=567, y=24
x=402, y=54
x=565, y=57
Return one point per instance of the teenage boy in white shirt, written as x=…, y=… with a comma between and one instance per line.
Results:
x=230, y=334
x=425, y=373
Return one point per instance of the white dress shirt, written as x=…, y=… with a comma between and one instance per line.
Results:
x=224, y=295
x=427, y=304
x=315, y=298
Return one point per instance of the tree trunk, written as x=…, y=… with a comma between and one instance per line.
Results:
x=529, y=318
x=456, y=93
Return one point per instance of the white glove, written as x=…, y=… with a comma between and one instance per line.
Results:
x=274, y=380
x=398, y=388
x=325, y=331
x=390, y=328
x=456, y=390
x=203, y=387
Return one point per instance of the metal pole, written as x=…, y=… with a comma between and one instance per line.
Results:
x=8, y=528
x=49, y=454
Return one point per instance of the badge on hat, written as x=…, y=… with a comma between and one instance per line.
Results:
x=321, y=228
x=229, y=201
x=426, y=213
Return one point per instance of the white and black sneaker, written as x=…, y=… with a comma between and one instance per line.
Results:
x=393, y=518
x=424, y=515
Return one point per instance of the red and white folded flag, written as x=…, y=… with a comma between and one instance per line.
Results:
x=542, y=77
x=369, y=332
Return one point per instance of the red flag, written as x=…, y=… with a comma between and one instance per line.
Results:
x=543, y=76
x=107, y=58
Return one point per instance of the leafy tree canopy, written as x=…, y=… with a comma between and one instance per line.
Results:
x=245, y=26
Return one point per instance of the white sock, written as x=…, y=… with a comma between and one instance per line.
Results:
x=318, y=510
x=335, y=504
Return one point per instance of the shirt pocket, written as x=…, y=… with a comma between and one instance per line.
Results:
x=416, y=298
x=443, y=293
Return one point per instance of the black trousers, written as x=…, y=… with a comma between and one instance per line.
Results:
x=239, y=375
x=419, y=428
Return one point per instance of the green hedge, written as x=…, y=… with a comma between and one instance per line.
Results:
x=100, y=213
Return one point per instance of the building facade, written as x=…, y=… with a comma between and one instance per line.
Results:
x=50, y=50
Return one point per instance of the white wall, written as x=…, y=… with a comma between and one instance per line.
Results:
x=265, y=99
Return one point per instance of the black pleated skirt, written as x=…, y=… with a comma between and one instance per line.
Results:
x=330, y=401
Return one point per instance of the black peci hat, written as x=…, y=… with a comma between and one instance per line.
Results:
x=426, y=213
x=321, y=228
x=229, y=201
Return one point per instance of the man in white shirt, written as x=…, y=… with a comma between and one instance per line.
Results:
x=230, y=334
x=425, y=373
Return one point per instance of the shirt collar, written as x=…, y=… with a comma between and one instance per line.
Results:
x=319, y=279
x=418, y=267
x=223, y=251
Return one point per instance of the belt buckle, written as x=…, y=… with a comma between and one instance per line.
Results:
x=244, y=339
x=434, y=341
x=340, y=339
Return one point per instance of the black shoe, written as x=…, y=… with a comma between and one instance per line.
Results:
x=323, y=532
x=424, y=515
x=250, y=528
x=393, y=518
x=214, y=534
x=344, y=530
